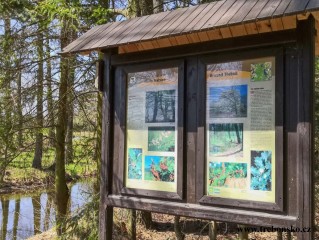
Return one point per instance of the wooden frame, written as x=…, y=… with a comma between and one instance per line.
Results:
x=279, y=123
x=294, y=96
x=122, y=101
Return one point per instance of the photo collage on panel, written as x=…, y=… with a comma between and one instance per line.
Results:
x=152, y=130
x=240, y=129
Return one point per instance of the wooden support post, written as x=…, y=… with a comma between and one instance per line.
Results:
x=212, y=231
x=305, y=128
x=131, y=224
x=106, y=212
x=242, y=235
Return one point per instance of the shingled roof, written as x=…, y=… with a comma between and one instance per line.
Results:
x=225, y=16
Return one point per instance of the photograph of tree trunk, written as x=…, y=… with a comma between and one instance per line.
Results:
x=228, y=101
x=160, y=106
x=226, y=139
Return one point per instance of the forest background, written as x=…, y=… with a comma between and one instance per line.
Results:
x=50, y=110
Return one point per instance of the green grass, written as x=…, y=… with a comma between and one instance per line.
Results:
x=20, y=169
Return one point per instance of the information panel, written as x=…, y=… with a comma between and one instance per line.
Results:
x=240, y=130
x=151, y=140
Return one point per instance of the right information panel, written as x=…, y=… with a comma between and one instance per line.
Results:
x=240, y=130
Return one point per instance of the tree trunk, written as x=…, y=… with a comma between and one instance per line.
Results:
x=131, y=224
x=177, y=228
x=99, y=140
x=61, y=189
x=279, y=235
x=16, y=218
x=19, y=105
x=243, y=235
x=212, y=230
x=36, y=214
x=37, y=160
x=5, y=215
x=237, y=128
x=49, y=91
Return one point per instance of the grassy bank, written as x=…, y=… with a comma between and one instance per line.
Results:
x=20, y=176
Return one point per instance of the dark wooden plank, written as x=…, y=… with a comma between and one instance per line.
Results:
x=291, y=122
x=106, y=213
x=243, y=12
x=191, y=126
x=145, y=27
x=218, y=14
x=179, y=24
x=101, y=34
x=130, y=28
x=305, y=127
x=159, y=25
x=230, y=13
x=204, y=212
x=174, y=18
x=199, y=13
x=116, y=180
x=280, y=10
x=209, y=12
x=279, y=128
x=313, y=5
x=269, y=9
x=86, y=38
x=201, y=133
x=261, y=40
x=170, y=196
x=296, y=6
x=254, y=12
x=216, y=201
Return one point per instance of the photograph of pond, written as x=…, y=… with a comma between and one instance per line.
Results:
x=160, y=106
x=226, y=139
x=227, y=174
x=260, y=72
x=260, y=170
x=228, y=101
x=159, y=168
x=161, y=139
x=134, y=163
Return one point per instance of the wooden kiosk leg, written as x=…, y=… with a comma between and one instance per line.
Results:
x=106, y=223
x=305, y=178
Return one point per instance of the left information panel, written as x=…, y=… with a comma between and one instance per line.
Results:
x=151, y=123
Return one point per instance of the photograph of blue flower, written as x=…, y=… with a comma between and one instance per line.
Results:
x=135, y=163
x=260, y=170
x=228, y=101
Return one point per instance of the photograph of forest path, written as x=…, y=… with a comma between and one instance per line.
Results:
x=161, y=139
x=158, y=168
x=260, y=72
x=226, y=139
x=160, y=106
x=135, y=163
x=228, y=101
x=227, y=174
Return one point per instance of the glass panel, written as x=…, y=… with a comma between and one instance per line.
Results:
x=151, y=147
x=240, y=130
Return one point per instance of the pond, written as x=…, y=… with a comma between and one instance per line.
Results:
x=25, y=215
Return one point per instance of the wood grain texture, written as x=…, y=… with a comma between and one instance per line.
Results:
x=257, y=16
